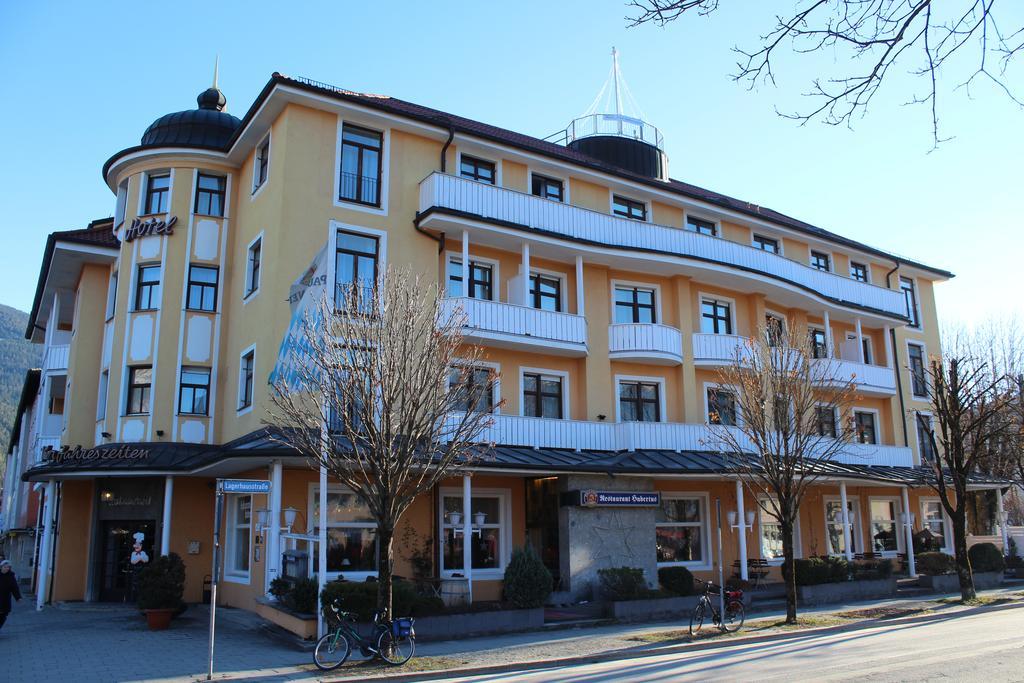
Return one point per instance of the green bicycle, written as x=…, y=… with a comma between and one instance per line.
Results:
x=394, y=641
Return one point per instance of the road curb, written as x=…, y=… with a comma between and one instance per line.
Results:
x=655, y=650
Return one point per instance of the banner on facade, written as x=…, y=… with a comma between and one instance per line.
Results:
x=303, y=297
x=590, y=498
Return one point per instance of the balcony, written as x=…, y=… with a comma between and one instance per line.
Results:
x=55, y=359
x=716, y=350
x=467, y=199
x=511, y=430
x=491, y=323
x=645, y=343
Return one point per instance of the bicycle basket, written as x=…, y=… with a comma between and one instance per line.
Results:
x=402, y=627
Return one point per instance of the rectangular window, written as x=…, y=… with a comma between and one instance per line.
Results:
x=111, y=294
x=194, y=395
x=924, y=437
x=548, y=188
x=481, y=279
x=634, y=305
x=261, y=165
x=477, y=169
x=355, y=268
x=864, y=423
x=475, y=387
x=933, y=518
x=545, y=292
x=771, y=533
x=639, y=402
x=819, y=346
x=821, y=261
x=701, y=226
x=158, y=190
x=918, y=374
x=721, y=407
x=680, y=531
x=101, y=396
x=715, y=317
x=884, y=537
x=253, y=263
x=239, y=534
x=487, y=539
x=361, y=165
x=140, y=385
x=629, y=208
x=147, y=288
x=910, y=298
x=766, y=244
x=826, y=419
x=210, y=192
x=202, y=289
x=542, y=395
x=351, y=532
x=834, y=526
x=774, y=329
x=245, y=375
x=121, y=206
x=858, y=271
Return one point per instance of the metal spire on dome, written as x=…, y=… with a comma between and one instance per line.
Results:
x=216, y=68
x=615, y=96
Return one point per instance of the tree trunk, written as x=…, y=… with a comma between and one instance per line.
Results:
x=386, y=551
x=963, y=562
x=789, y=571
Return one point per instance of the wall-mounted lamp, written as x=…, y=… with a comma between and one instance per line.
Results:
x=289, y=517
x=159, y=432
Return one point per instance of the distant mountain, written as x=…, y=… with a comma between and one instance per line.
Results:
x=17, y=355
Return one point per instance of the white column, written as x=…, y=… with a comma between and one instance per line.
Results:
x=860, y=343
x=911, y=562
x=526, y=274
x=165, y=531
x=888, y=347
x=273, y=561
x=321, y=548
x=1001, y=513
x=467, y=533
x=465, y=263
x=847, y=545
x=580, y=310
x=45, y=544
x=828, y=337
x=741, y=521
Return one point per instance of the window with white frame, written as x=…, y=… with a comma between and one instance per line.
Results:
x=858, y=271
x=111, y=295
x=261, y=164
x=681, y=530
x=639, y=401
x=253, y=267
x=918, y=373
x=910, y=299
x=770, y=529
x=476, y=387
x=635, y=305
x=701, y=226
x=488, y=535
x=715, y=316
x=721, y=406
x=825, y=417
x=769, y=244
x=884, y=528
x=481, y=279
x=864, y=426
x=351, y=531
x=933, y=518
x=821, y=261
x=245, y=374
x=101, y=397
x=239, y=535
x=120, y=208
x=925, y=443
x=542, y=395
x=774, y=329
x=834, y=526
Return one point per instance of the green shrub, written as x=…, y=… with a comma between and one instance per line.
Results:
x=622, y=583
x=935, y=564
x=528, y=582
x=361, y=598
x=985, y=557
x=818, y=570
x=872, y=570
x=301, y=596
x=279, y=587
x=677, y=580
x=161, y=584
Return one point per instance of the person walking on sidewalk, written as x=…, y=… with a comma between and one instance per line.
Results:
x=8, y=589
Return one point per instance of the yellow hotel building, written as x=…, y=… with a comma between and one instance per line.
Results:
x=606, y=294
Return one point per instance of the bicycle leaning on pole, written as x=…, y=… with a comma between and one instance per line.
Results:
x=393, y=640
x=734, y=615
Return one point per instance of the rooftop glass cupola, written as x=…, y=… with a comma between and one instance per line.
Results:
x=614, y=130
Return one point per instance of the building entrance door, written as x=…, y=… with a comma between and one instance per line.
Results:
x=542, y=522
x=116, y=572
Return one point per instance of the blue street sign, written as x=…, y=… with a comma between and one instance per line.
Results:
x=244, y=485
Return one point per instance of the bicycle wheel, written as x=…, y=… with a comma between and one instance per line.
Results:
x=331, y=651
x=734, y=615
x=697, y=619
x=395, y=650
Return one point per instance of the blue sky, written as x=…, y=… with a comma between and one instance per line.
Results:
x=85, y=79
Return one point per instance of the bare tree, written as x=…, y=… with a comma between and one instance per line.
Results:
x=786, y=408
x=383, y=394
x=865, y=39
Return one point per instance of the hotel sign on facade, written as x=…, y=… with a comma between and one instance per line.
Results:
x=591, y=498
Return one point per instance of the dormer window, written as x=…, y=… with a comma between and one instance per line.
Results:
x=768, y=244
x=629, y=208
x=548, y=188
x=261, y=165
x=701, y=226
x=477, y=169
x=821, y=261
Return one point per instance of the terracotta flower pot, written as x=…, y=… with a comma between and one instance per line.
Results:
x=159, y=619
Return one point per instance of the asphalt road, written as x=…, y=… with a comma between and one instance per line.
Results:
x=985, y=646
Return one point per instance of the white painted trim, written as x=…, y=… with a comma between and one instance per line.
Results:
x=155, y=353
x=947, y=528
x=878, y=424
x=914, y=414
x=705, y=528
x=778, y=240
x=726, y=387
x=225, y=230
x=648, y=205
x=333, y=227
x=715, y=297
x=257, y=189
x=872, y=358
x=246, y=298
x=473, y=153
x=856, y=524
x=660, y=381
x=566, y=415
x=505, y=529
x=687, y=215
x=312, y=501
x=531, y=171
x=563, y=286
x=659, y=319
x=493, y=263
x=917, y=300
x=867, y=268
x=229, y=527
x=497, y=379
x=385, y=167
x=239, y=411
x=798, y=544
x=831, y=258
x=900, y=535
x=185, y=311
x=910, y=374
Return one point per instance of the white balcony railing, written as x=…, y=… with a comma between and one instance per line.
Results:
x=504, y=324
x=460, y=194
x=644, y=342
x=717, y=349
x=512, y=430
x=56, y=357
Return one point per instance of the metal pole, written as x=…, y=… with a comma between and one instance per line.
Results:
x=467, y=534
x=165, y=532
x=218, y=514
x=911, y=562
x=321, y=574
x=741, y=514
x=847, y=531
x=1001, y=513
x=721, y=571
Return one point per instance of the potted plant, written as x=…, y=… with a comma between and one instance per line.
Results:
x=160, y=588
